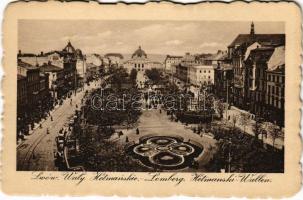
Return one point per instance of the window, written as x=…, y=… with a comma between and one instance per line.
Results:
x=200, y=71
x=273, y=78
x=208, y=77
x=208, y=71
x=204, y=71
x=277, y=90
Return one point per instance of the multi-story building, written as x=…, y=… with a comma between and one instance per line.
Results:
x=171, y=61
x=56, y=79
x=54, y=57
x=201, y=75
x=275, y=86
x=32, y=75
x=223, y=79
x=141, y=62
x=71, y=60
x=237, y=51
x=255, y=79
x=182, y=73
x=21, y=93
x=69, y=64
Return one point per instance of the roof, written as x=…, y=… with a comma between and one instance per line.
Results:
x=69, y=48
x=51, y=52
x=169, y=56
x=27, y=55
x=261, y=54
x=277, y=59
x=277, y=39
x=250, y=48
x=139, y=53
x=114, y=55
x=203, y=66
x=189, y=58
x=48, y=67
x=220, y=55
x=26, y=65
x=20, y=77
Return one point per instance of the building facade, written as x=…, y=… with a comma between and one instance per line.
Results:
x=275, y=87
x=237, y=51
x=256, y=66
x=171, y=61
x=140, y=62
x=56, y=79
x=201, y=75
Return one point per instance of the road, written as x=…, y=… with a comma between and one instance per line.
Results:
x=36, y=153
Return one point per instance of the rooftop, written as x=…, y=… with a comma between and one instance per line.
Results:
x=20, y=77
x=261, y=38
x=139, y=53
x=114, y=55
x=277, y=59
x=26, y=65
x=48, y=67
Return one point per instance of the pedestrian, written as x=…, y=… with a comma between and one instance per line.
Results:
x=137, y=131
x=126, y=139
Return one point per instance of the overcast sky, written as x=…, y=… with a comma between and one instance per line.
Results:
x=156, y=37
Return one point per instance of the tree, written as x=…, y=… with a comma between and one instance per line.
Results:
x=257, y=128
x=234, y=120
x=244, y=120
x=153, y=74
x=220, y=108
x=133, y=75
x=275, y=132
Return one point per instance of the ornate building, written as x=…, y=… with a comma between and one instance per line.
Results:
x=140, y=62
x=238, y=51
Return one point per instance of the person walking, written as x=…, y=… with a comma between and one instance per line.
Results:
x=137, y=131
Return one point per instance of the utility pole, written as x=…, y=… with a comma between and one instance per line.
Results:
x=227, y=99
x=229, y=155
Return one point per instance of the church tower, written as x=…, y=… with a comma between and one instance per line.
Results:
x=252, y=32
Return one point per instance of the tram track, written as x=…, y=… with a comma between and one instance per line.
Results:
x=31, y=149
x=60, y=115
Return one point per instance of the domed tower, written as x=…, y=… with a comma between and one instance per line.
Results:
x=139, y=53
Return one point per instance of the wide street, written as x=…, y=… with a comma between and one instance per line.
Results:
x=37, y=151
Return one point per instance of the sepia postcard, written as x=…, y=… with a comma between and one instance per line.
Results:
x=157, y=99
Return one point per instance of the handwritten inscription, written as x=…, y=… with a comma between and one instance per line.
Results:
x=169, y=178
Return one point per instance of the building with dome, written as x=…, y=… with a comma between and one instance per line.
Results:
x=139, y=61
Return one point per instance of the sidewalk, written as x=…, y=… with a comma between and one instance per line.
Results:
x=234, y=111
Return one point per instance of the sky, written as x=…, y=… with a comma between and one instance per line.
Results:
x=155, y=37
